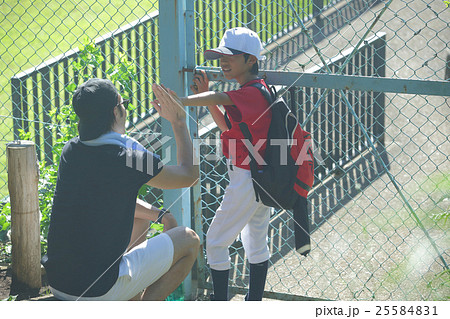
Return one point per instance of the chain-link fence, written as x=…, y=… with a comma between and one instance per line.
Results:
x=380, y=203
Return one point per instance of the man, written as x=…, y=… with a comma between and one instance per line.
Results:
x=97, y=247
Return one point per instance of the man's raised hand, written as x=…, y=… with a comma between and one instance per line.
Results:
x=168, y=104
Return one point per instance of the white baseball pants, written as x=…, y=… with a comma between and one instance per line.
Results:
x=239, y=212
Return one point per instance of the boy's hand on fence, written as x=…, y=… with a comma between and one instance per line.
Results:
x=201, y=82
x=168, y=104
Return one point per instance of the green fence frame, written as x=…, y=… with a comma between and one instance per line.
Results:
x=346, y=99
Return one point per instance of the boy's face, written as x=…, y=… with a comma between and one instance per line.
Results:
x=235, y=66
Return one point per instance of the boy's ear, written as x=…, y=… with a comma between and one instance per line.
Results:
x=252, y=59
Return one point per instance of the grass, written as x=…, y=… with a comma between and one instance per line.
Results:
x=419, y=272
x=33, y=31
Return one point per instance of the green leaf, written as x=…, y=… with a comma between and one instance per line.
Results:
x=131, y=107
x=24, y=135
x=71, y=87
x=155, y=230
x=85, y=40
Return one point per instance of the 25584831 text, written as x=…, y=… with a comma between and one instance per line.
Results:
x=392, y=310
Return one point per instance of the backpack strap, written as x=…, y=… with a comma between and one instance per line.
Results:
x=302, y=185
x=253, y=167
x=227, y=120
x=270, y=97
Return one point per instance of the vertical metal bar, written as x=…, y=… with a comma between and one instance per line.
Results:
x=371, y=95
x=336, y=136
x=330, y=130
x=379, y=62
x=301, y=101
x=351, y=127
x=147, y=64
x=176, y=33
x=16, y=109
x=249, y=14
x=66, y=82
x=198, y=28
x=196, y=204
x=24, y=103
x=46, y=108
x=137, y=49
x=317, y=7
x=361, y=98
x=103, y=50
x=57, y=99
x=37, y=135
x=156, y=68
x=323, y=144
x=112, y=51
x=264, y=20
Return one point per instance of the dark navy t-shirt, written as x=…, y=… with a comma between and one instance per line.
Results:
x=92, y=215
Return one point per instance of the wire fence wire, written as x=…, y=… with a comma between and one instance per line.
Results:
x=380, y=204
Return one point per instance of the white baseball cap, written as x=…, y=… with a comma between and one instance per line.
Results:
x=237, y=41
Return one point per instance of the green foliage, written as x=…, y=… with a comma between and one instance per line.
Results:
x=24, y=135
x=65, y=124
x=124, y=73
x=10, y=298
x=155, y=230
x=90, y=55
x=440, y=282
x=5, y=221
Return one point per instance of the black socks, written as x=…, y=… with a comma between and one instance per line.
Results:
x=258, y=274
x=220, y=284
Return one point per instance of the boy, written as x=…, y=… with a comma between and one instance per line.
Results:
x=239, y=52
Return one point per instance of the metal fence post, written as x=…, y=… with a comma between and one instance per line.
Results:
x=316, y=12
x=176, y=17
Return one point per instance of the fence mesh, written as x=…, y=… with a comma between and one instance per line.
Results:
x=380, y=204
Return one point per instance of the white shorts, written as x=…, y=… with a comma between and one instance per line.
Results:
x=139, y=268
x=239, y=212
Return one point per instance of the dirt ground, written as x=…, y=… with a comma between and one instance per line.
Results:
x=5, y=286
x=5, y=283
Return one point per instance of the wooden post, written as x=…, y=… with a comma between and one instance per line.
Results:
x=23, y=176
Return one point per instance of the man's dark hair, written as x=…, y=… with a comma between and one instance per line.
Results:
x=94, y=103
x=255, y=68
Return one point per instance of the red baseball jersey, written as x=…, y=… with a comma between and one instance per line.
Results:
x=250, y=107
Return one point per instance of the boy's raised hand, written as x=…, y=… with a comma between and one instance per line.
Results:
x=168, y=104
x=201, y=82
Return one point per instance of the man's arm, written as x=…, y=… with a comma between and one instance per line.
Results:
x=184, y=174
x=149, y=212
